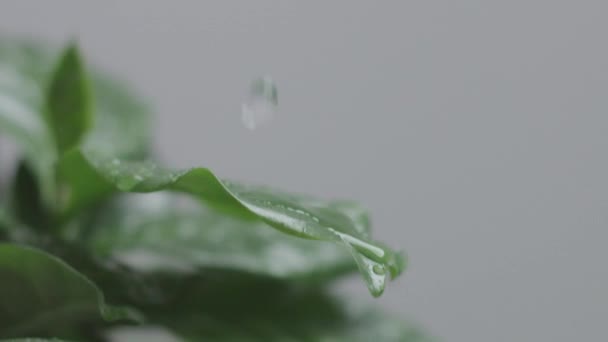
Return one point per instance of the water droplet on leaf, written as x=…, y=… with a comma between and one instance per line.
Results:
x=261, y=104
x=378, y=270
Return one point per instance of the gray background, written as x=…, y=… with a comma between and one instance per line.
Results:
x=475, y=131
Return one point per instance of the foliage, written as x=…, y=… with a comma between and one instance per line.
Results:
x=95, y=233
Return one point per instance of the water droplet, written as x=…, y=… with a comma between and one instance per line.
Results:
x=378, y=269
x=261, y=104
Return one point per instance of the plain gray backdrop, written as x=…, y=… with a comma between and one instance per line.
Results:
x=475, y=131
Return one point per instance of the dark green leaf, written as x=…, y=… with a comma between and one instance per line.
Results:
x=25, y=198
x=4, y=225
x=163, y=232
x=90, y=176
x=68, y=101
x=33, y=340
x=235, y=307
x=41, y=295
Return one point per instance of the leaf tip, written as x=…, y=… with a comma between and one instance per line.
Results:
x=69, y=99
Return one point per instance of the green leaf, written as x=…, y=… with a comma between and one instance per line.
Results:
x=164, y=233
x=236, y=307
x=89, y=177
x=41, y=295
x=68, y=101
x=120, y=127
x=26, y=67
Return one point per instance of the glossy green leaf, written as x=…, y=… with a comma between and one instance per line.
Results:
x=89, y=176
x=162, y=232
x=236, y=307
x=41, y=295
x=68, y=101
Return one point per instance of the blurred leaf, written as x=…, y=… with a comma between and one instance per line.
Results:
x=41, y=295
x=22, y=83
x=90, y=176
x=217, y=308
x=30, y=339
x=25, y=199
x=68, y=101
x=122, y=126
x=4, y=225
x=121, y=121
x=162, y=232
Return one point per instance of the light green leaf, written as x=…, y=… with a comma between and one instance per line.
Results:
x=41, y=295
x=89, y=176
x=163, y=232
x=236, y=307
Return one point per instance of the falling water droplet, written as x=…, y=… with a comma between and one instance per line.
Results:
x=261, y=104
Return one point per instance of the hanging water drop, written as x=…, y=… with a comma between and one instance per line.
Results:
x=378, y=269
x=261, y=104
